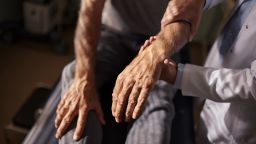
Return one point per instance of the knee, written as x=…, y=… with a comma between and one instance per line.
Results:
x=68, y=70
x=67, y=75
x=92, y=133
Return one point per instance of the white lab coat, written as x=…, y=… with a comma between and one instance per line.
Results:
x=229, y=85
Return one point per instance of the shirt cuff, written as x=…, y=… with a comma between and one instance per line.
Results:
x=178, y=79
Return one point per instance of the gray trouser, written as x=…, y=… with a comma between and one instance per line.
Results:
x=114, y=52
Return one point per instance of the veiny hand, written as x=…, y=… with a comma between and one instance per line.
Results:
x=169, y=70
x=187, y=10
x=134, y=84
x=79, y=99
x=147, y=43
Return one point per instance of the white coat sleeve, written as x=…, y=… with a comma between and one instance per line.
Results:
x=221, y=85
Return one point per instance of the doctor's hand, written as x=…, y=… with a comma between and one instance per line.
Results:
x=135, y=82
x=185, y=10
x=78, y=100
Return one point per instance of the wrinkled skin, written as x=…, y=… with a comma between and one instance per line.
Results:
x=136, y=81
x=187, y=10
x=78, y=100
x=134, y=84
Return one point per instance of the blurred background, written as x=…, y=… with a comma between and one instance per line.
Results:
x=36, y=42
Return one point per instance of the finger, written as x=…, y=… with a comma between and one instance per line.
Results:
x=60, y=105
x=58, y=120
x=82, y=117
x=166, y=61
x=116, y=91
x=170, y=62
x=60, y=116
x=151, y=39
x=100, y=114
x=142, y=98
x=122, y=101
x=146, y=43
x=114, y=102
x=132, y=103
x=143, y=47
x=65, y=122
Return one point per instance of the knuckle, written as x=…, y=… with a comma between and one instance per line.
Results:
x=120, y=78
x=133, y=101
x=120, y=102
x=61, y=112
x=114, y=98
x=84, y=107
x=128, y=81
x=67, y=120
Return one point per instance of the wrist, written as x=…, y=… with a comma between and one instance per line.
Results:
x=173, y=37
x=84, y=73
x=161, y=50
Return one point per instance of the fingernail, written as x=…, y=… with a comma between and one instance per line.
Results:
x=134, y=116
x=117, y=120
x=57, y=136
x=75, y=137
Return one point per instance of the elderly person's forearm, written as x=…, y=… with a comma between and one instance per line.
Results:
x=81, y=96
x=87, y=35
x=171, y=38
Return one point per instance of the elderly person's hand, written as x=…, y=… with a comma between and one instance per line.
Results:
x=78, y=100
x=169, y=70
x=139, y=77
x=184, y=10
x=135, y=82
